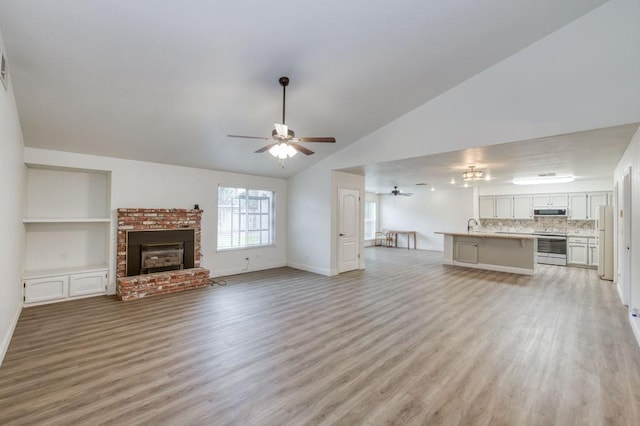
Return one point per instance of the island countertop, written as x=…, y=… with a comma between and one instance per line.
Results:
x=509, y=235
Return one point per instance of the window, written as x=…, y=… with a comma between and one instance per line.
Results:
x=369, y=220
x=245, y=217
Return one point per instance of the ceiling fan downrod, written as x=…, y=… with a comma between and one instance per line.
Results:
x=284, y=82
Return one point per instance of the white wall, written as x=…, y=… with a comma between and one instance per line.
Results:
x=631, y=159
x=136, y=184
x=12, y=189
x=310, y=199
x=581, y=77
x=428, y=212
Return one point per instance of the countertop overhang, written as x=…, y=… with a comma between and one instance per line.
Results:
x=511, y=236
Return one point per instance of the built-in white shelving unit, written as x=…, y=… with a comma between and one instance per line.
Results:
x=67, y=228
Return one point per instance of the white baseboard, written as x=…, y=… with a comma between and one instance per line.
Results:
x=4, y=346
x=234, y=271
x=620, y=295
x=498, y=268
x=309, y=268
x=635, y=326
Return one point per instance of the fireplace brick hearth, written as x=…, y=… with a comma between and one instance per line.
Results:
x=135, y=287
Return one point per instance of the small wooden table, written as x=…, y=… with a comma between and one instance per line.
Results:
x=408, y=234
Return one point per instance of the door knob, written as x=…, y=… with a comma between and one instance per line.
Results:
x=342, y=235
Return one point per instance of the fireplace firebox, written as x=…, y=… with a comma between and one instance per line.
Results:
x=161, y=257
x=159, y=251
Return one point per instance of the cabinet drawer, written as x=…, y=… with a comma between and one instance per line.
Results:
x=578, y=240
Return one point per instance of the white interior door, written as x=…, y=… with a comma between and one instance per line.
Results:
x=348, y=229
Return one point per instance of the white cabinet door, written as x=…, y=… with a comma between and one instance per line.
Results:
x=559, y=200
x=578, y=207
x=596, y=199
x=487, y=207
x=541, y=200
x=88, y=283
x=593, y=255
x=577, y=254
x=522, y=207
x=551, y=200
x=43, y=289
x=504, y=207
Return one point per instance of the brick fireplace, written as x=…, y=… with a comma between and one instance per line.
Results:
x=158, y=252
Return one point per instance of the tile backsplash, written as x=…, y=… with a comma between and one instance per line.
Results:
x=539, y=224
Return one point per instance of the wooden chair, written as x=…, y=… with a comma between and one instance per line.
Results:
x=380, y=238
x=385, y=238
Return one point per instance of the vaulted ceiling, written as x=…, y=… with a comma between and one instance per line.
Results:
x=166, y=81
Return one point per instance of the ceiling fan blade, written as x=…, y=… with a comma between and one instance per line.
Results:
x=301, y=149
x=249, y=137
x=282, y=130
x=266, y=148
x=329, y=140
x=406, y=194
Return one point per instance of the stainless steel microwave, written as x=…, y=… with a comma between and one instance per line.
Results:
x=559, y=211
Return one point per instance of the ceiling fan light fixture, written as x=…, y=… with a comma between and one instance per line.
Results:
x=544, y=179
x=282, y=151
x=472, y=174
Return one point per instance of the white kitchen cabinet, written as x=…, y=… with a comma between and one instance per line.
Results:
x=487, y=207
x=578, y=207
x=504, y=207
x=593, y=252
x=55, y=286
x=551, y=200
x=597, y=199
x=578, y=251
x=522, y=207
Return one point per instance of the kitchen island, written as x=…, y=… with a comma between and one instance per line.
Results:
x=506, y=252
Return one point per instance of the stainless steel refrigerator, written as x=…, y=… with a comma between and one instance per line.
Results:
x=605, y=242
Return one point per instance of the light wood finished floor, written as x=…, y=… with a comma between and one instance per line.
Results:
x=408, y=341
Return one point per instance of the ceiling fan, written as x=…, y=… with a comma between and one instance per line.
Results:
x=285, y=144
x=395, y=192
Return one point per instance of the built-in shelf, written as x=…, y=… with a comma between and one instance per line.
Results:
x=42, y=273
x=67, y=220
x=67, y=232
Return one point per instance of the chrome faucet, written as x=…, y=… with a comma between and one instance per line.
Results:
x=469, y=227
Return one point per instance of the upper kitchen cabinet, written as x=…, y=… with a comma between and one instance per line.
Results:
x=504, y=207
x=523, y=207
x=597, y=199
x=578, y=207
x=487, y=207
x=584, y=206
x=551, y=200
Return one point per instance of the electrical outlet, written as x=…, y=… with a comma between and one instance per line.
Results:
x=246, y=258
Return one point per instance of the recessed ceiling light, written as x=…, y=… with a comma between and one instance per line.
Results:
x=453, y=182
x=551, y=178
x=432, y=188
x=466, y=185
x=487, y=177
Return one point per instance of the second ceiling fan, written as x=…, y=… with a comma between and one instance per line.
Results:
x=395, y=192
x=285, y=144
